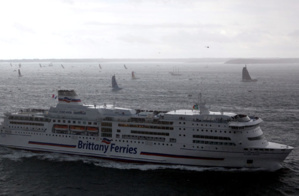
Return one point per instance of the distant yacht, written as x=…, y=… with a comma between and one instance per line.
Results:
x=125, y=66
x=115, y=87
x=175, y=72
x=62, y=66
x=133, y=76
x=19, y=72
x=246, y=77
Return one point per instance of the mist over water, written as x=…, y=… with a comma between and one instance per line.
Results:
x=274, y=98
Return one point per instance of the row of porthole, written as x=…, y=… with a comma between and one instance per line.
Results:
x=62, y=135
x=257, y=149
x=28, y=133
x=201, y=147
x=201, y=124
x=215, y=131
x=206, y=130
x=32, y=128
x=54, y=135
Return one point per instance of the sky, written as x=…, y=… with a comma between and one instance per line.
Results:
x=42, y=29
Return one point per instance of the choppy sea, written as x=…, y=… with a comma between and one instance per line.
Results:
x=274, y=98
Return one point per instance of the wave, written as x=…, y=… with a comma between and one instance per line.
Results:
x=20, y=155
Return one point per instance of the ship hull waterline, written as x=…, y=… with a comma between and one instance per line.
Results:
x=200, y=158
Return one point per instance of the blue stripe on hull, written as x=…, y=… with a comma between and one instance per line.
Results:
x=180, y=156
x=52, y=144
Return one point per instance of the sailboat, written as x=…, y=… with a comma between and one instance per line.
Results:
x=19, y=72
x=175, y=72
x=125, y=66
x=115, y=87
x=246, y=77
x=133, y=76
x=62, y=66
x=100, y=66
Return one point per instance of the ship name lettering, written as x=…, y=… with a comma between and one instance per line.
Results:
x=104, y=148
x=123, y=149
x=92, y=146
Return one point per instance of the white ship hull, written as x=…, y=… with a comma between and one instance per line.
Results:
x=132, y=152
x=181, y=137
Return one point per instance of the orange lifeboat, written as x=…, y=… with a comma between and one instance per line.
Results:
x=63, y=127
x=93, y=129
x=77, y=128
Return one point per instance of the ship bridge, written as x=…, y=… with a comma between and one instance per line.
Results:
x=196, y=115
x=111, y=110
x=241, y=121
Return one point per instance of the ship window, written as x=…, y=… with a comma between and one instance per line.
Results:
x=249, y=161
x=74, y=121
x=63, y=121
x=256, y=138
x=58, y=120
x=89, y=123
x=69, y=121
x=54, y=120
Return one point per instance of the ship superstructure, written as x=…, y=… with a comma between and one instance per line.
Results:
x=195, y=137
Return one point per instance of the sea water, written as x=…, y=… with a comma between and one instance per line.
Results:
x=274, y=98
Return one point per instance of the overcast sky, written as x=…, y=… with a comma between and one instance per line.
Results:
x=148, y=29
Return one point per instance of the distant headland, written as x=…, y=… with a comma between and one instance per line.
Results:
x=262, y=61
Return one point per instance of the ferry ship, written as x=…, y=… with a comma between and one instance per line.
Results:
x=195, y=137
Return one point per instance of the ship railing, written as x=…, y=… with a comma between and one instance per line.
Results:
x=151, y=121
x=30, y=111
x=253, y=118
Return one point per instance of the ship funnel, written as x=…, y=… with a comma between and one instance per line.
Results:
x=68, y=97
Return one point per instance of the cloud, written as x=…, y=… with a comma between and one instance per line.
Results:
x=295, y=33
